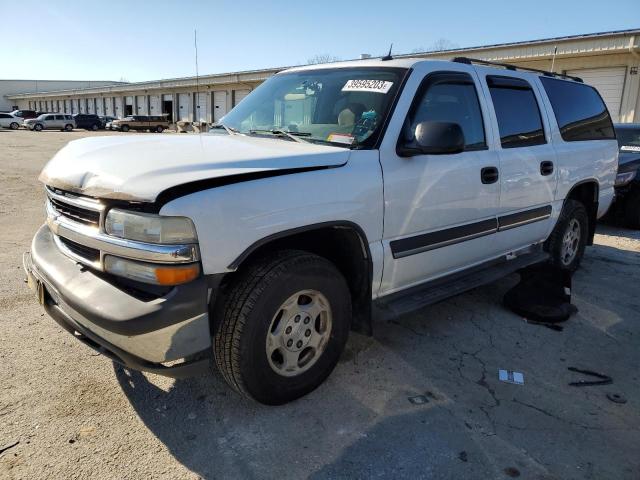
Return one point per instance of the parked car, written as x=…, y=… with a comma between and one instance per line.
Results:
x=8, y=120
x=51, y=121
x=106, y=120
x=151, y=123
x=627, y=201
x=338, y=190
x=25, y=114
x=87, y=121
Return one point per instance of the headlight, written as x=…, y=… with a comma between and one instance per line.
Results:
x=150, y=228
x=151, y=273
x=624, y=178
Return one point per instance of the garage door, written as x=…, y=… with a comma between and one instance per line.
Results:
x=91, y=105
x=100, y=106
x=239, y=95
x=184, y=107
x=609, y=82
x=202, y=110
x=154, y=103
x=141, y=102
x=119, y=113
x=219, y=105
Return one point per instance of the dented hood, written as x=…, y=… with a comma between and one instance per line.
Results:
x=139, y=167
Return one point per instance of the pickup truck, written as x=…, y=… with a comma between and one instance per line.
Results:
x=330, y=195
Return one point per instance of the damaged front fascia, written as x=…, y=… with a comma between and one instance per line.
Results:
x=154, y=205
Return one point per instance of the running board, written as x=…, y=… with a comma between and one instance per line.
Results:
x=437, y=290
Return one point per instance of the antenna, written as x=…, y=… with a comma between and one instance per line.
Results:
x=197, y=102
x=388, y=55
x=553, y=59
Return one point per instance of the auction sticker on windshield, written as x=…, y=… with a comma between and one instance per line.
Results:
x=378, y=86
x=630, y=148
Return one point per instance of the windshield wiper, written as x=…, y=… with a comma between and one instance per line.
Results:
x=292, y=135
x=230, y=130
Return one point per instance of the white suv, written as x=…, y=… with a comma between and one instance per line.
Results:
x=51, y=121
x=329, y=192
x=7, y=120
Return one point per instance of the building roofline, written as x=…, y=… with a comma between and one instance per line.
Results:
x=156, y=84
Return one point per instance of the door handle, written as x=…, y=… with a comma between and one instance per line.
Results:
x=489, y=175
x=546, y=168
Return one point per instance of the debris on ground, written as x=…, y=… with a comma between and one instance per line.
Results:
x=509, y=376
x=419, y=400
x=463, y=456
x=604, y=379
x=616, y=398
x=8, y=446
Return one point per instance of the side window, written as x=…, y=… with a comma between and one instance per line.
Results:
x=4, y=115
x=49, y=117
x=580, y=112
x=59, y=117
x=517, y=111
x=449, y=97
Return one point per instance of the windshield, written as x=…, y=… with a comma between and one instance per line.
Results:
x=343, y=106
x=628, y=139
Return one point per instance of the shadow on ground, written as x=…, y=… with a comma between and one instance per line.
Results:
x=361, y=424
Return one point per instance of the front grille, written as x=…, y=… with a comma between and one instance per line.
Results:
x=75, y=213
x=91, y=254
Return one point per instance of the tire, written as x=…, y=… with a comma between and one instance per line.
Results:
x=14, y=126
x=68, y=127
x=159, y=129
x=632, y=209
x=568, y=239
x=124, y=128
x=252, y=325
x=95, y=127
x=38, y=127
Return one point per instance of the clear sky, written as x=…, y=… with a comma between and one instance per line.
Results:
x=149, y=40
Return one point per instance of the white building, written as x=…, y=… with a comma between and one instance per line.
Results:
x=609, y=60
x=12, y=87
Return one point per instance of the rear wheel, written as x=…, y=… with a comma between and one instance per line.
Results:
x=14, y=126
x=68, y=127
x=159, y=129
x=632, y=209
x=568, y=240
x=284, y=324
x=124, y=128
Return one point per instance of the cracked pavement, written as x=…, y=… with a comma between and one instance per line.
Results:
x=75, y=415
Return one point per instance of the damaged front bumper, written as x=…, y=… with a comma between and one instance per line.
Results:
x=137, y=332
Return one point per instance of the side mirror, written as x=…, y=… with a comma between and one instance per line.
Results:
x=434, y=138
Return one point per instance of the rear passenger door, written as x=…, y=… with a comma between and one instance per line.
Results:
x=528, y=170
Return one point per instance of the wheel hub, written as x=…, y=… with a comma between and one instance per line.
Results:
x=298, y=333
x=570, y=242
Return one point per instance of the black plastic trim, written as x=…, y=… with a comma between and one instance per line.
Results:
x=442, y=238
x=512, y=220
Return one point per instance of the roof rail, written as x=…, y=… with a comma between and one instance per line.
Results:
x=509, y=66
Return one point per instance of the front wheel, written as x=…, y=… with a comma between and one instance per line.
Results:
x=568, y=240
x=37, y=127
x=284, y=324
x=14, y=126
x=159, y=129
x=95, y=127
x=124, y=128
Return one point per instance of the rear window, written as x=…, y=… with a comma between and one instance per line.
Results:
x=517, y=111
x=580, y=112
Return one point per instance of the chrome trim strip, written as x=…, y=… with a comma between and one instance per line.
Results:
x=80, y=202
x=74, y=256
x=523, y=222
x=92, y=237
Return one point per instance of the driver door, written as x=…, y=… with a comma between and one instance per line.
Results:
x=440, y=209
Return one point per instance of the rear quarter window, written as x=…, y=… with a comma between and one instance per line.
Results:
x=579, y=110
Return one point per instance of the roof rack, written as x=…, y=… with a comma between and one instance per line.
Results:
x=509, y=66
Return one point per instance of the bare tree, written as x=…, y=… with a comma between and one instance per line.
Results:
x=437, y=46
x=322, y=58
